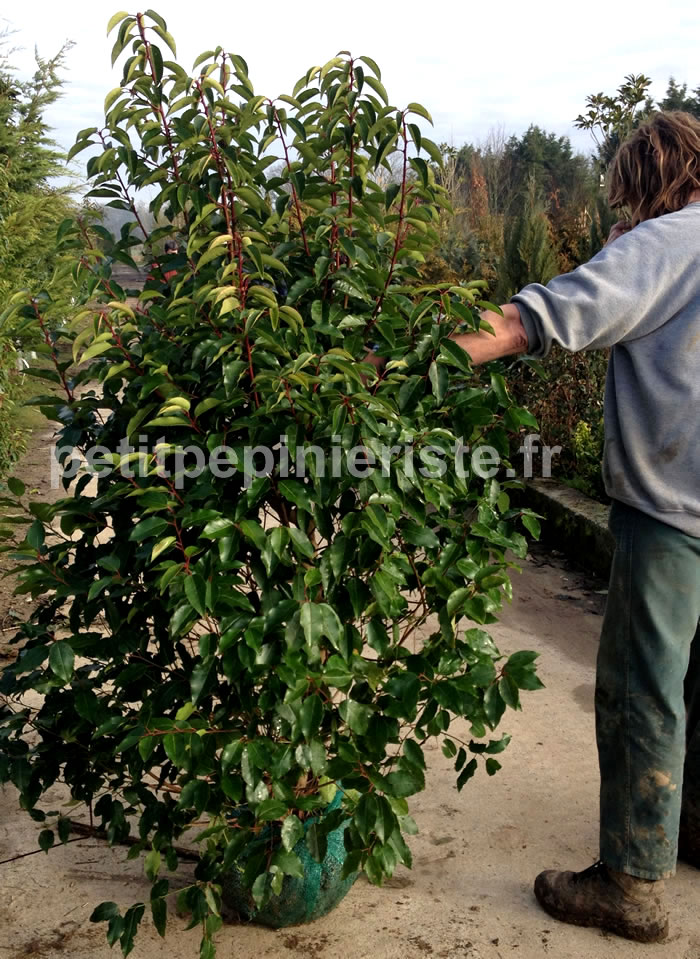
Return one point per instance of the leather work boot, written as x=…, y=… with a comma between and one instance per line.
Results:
x=629, y=907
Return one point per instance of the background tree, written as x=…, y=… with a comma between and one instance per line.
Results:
x=677, y=98
x=31, y=207
x=561, y=176
x=525, y=208
x=610, y=119
x=496, y=165
x=471, y=233
x=529, y=252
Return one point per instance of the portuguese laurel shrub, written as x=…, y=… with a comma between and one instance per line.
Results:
x=218, y=650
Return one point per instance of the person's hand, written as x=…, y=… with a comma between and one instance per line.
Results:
x=622, y=226
x=378, y=362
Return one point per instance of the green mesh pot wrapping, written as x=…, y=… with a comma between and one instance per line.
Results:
x=301, y=900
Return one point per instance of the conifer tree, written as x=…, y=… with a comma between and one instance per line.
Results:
x=31, y=206
x=31, y=210
x=529, y=253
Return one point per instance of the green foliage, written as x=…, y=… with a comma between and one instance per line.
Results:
x=611, y=119
x=546, y=163
x=238, y=645
x=28, y=224
x=471, y=234
x=587, y=446
x=603, y=219
x=29, y=155
x=529, y=255
x=509, y=187
x=30, y=213
x=678, y=98
x=12, y=391
x=568, y=404
x=30, y=208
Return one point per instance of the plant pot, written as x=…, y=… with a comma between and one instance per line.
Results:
x=301, y=900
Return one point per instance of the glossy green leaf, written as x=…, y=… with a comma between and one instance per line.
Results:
x=270, y=809
x=195, y=591
x=311, y=715
x=159, y=914
x=62, y=660
x=316, y=842
x=115, y=19
x=292, y=832
x=421, y=111
x=15, y=486
x=456, y=355
x=46, y=839
x=132, y=918
x=105, y=911
x=319, y=620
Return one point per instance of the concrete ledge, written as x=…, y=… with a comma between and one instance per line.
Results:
x=574, y=523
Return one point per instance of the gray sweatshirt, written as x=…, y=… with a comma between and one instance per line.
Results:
x=641, y=296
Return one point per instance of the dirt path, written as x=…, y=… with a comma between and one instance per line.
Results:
x=469, y=895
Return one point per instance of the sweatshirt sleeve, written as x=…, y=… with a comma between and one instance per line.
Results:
x=629, y=289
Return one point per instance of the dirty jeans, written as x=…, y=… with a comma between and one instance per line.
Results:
x=642, y=728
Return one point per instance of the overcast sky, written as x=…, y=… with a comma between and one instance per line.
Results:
x=474, y=65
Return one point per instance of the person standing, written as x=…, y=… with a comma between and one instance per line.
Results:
x=640, y=295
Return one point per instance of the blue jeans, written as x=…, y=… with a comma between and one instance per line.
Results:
x=645, y=677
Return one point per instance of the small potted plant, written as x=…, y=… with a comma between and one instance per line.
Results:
x=267, y=584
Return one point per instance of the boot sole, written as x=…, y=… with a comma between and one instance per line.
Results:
x=653, y=933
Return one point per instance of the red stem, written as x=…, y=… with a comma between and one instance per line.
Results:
x=127, y=195
x=251, y=370
x=228, y=194
x=294, y=192
x=120, y=345
x=399, y=229
x=351, y=120
x=54, y=354
x=159, y=108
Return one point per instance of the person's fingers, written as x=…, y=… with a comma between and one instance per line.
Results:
x=622, y=226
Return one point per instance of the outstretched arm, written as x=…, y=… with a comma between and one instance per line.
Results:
x=510, y=338
x=608, y=300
